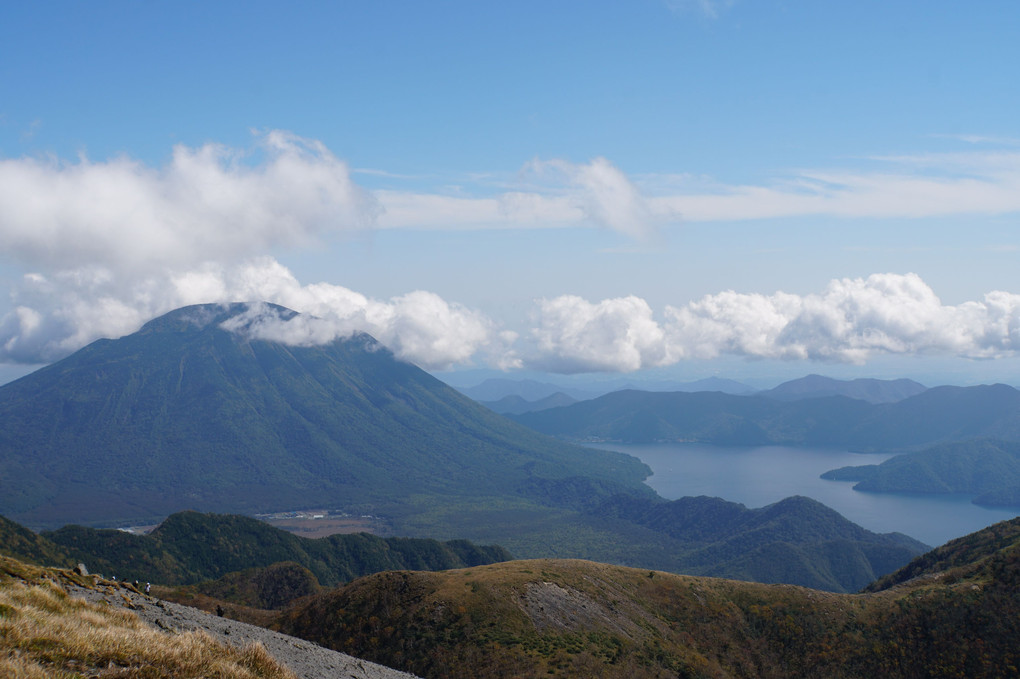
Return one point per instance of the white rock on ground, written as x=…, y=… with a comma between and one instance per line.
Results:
x=303, y=658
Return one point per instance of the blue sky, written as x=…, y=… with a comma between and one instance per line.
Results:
x=653, y=188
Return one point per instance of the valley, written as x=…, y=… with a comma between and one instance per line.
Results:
x=675, y=339
x=951, y=612
x=320, y=523
x=478, y=518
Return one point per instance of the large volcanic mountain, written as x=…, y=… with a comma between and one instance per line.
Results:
x=194, y=412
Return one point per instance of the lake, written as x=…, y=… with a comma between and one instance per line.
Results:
x=756, y=477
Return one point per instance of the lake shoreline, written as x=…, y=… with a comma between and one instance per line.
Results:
x=761, y=475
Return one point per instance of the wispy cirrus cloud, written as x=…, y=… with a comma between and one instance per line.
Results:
x=980, y=139
x=558, y=194
x=925, y=185
x=709, y=8
x=546, y=194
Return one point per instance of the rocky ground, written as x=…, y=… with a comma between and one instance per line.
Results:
x=303, y=658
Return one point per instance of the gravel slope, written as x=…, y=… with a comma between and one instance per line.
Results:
x=303, y=658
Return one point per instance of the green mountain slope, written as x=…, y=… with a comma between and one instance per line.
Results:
x=185, y=414
x=546, y=618
x=969, y=553
x=20, y=543
x=190, y=547
x=796, y=540
x=989, y=469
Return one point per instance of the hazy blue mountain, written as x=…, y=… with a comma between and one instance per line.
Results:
x=708, y=384
x=987, y=468
x=870, y=390
x=184, y=414
x=935, y=415
x=496, y=388
x=944, y=414
x=516, y=405
x=713, y=417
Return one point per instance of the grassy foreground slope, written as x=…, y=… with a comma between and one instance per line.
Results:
x=546, y=618
x=46, y=634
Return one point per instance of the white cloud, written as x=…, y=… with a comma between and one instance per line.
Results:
x=207, y=203
x=928, y=185
x=851, y=321
x=606, y=196
x=614, y=335
x=558, y=193
x=214, y=202
x=710, y=8
x=548, y=194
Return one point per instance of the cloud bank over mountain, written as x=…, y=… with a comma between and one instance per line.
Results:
x=105, y=246
x=62, y=314
x=850, y=321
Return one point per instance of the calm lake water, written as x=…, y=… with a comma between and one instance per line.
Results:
x=757, y=477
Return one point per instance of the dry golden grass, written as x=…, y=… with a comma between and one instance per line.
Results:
x=44, y=633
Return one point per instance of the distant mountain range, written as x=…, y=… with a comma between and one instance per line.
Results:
x=516, y=405
x=934, y=415
x=870, y=390
x=516, y=397
x=494, y=389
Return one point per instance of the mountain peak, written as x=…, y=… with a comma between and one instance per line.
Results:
x=252, y=407
x=865, y=389
x=200, y=316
